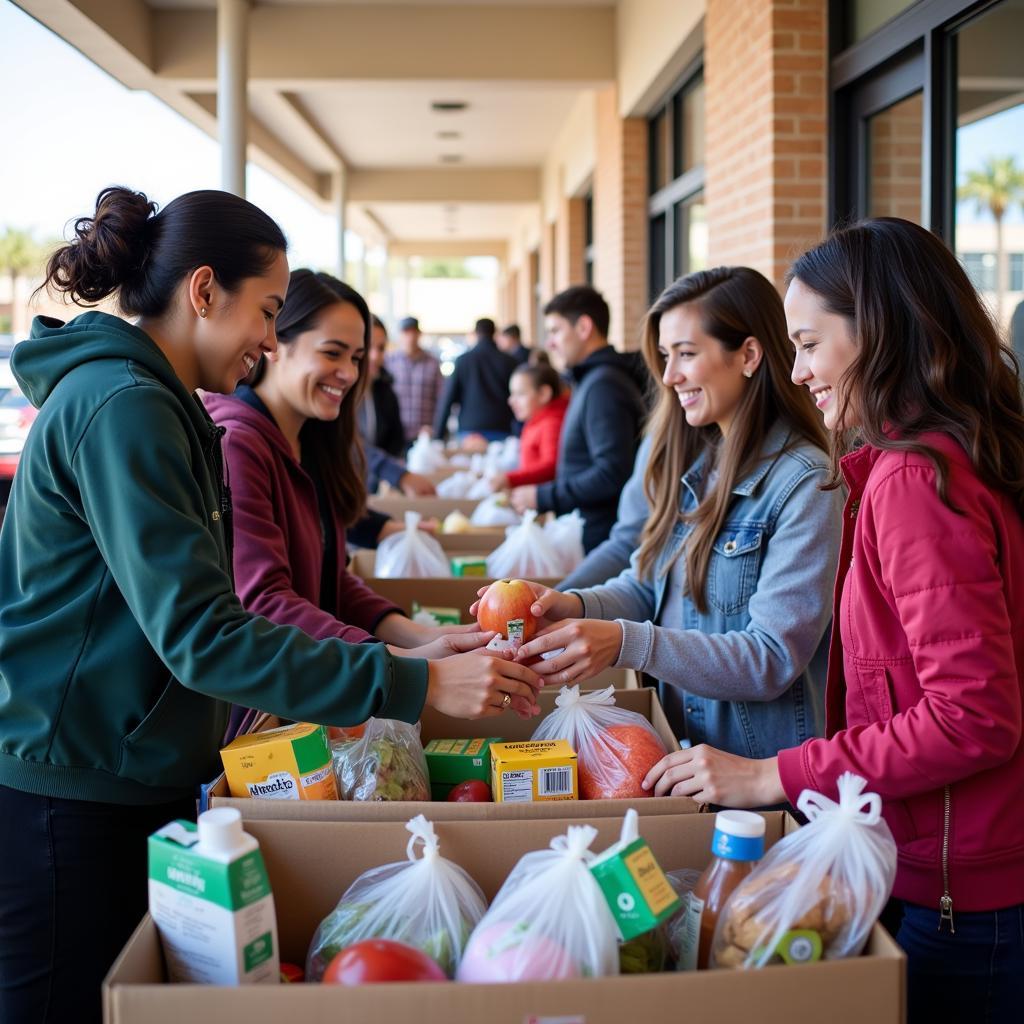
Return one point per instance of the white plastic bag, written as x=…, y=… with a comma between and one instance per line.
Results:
x=615, y=748
x=510, y=454
x=458, y=485
x=386, y=762
x=480, y=489
x=413, y=553
x=424, y=457
x=494, y=511
x=427, y=902
x=526, y=553
x=549, y=921
x=818, y=891
x=565, y=535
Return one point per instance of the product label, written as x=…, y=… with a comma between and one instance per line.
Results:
x=533, y=770
x=517, y=787
x=635, y=888
x=797, y=946
x=278, y=786
x=651, y=881
x=737, y=847
x=554, y=781
x=689, y=944
x=516, y=630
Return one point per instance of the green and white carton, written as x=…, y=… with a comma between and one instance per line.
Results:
x=635, y=888
x=210, y=898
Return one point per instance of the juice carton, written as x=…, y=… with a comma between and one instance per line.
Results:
x=442, y=616
x=453, y=761
x=638, y=894
x=533, y=770
x=469, y=565
x=289, y=763
x=211, y=901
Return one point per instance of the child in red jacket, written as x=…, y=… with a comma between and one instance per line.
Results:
x=536, y=400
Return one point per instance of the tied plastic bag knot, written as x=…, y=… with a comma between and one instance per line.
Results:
x=856, y=805
x=575, y=844
x=568, y=696
x=526, y=553
x=423, y=833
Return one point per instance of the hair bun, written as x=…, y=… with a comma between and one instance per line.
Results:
x=109, y=248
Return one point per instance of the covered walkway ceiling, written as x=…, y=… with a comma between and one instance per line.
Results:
x=339, y=85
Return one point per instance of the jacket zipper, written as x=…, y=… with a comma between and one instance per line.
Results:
x=945, y=900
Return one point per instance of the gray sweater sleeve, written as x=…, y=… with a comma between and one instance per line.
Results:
x=789, y=612
x=610, y=558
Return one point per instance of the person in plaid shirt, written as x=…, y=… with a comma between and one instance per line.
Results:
x=417, y=380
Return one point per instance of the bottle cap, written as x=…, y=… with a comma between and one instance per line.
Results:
x=739, y=835
x=221, y=828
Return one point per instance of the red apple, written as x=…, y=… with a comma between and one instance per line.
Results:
x=472, y=791
x=503, y=602
x=380, y=960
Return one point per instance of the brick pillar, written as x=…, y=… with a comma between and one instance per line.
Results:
x=526, y=281
x=548, y=259
x=620, y=218
x=765, y=69
x=570, y=241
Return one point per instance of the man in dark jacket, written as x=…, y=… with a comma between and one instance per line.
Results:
x=606, y=412
x=479, y=387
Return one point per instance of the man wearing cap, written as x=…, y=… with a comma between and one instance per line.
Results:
x=417, y=379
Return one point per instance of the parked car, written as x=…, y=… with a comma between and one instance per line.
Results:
x=17, y=415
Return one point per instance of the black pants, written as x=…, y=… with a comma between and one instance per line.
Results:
x=72, y=890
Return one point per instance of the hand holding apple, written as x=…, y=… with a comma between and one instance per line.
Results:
x=547, y=606
x=505, y=602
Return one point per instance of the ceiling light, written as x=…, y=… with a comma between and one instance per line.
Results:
x=448, y=106
x=449, y=135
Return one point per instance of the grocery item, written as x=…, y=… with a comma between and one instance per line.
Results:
x=380, y=960
x=385, y=763
x=505, y=610
x=411, y=553
x=292, y=762
x=435, y=615
x=472, y=791
x=736, y=846
x=291, y=974
x=616, y=747
x=456, y=522
x=210, y=899
x=453, y=761
x=533, y=770
x=527, y=551
x=548, y=922
x=425, y=901
x=646, y=954
x=469, y=565
x=565, y=535
x=424, y=456
x=682, y=881
x=494, y=511
x=638, y=894
x=819, y=890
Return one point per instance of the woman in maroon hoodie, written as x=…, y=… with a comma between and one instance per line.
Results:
x=924, y=695
x=293, y=466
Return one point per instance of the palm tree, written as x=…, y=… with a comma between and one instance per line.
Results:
x=995, y=187
x=22, y=255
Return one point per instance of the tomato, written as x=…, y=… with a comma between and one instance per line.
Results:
x=377, y=960
x=472, y=791
x=291, y=973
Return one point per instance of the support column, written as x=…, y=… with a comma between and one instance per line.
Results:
x=571, y=241
x=232, y=91
x=548, y=259
x=340, y=201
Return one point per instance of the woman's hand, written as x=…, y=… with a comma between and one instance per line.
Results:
x=477, y=685
x=550, y=606
x=523, y=498
x=401, y=631
x=712, y=776
x=415, y=485
x=587, y=646
x=446, y=644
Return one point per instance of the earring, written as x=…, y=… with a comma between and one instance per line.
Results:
x=202, y=312
x=748, y=373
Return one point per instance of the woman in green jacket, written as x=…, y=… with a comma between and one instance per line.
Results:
x=122, y=643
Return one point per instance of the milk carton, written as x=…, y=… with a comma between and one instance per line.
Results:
x=210, y=898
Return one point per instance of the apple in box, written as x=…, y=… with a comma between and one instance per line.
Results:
x=505, y=609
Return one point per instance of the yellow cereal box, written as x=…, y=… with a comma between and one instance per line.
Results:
x=289, y=763
x=533, y=770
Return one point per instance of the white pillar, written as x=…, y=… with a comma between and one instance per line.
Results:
x=232, y=86
x=387, y=287
x=340, y=200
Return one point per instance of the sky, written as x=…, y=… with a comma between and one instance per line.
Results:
x=68, y=130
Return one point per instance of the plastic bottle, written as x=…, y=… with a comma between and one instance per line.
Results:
x=210, y=898
x=737, y=846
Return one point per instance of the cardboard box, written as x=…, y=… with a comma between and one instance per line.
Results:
x=396, y=505
x=435, y=726
x=532, y=771
x=451, y=761
x=478, y=541
x=312, y=863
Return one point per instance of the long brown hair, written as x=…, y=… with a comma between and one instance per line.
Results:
x=929, y=357
x=735, y=303
x=332, y=449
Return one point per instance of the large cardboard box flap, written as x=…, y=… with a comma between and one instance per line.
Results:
x=311, y=864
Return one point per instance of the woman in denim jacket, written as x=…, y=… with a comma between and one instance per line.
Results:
x=727, y=599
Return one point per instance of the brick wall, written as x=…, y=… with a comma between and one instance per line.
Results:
x=765, y=69
x=895, y=147
x=526, y=280
x=620, y=218
x=548, y=260
x=570, y=242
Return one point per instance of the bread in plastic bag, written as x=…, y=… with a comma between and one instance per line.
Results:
x=494, y=511
x=526, y=553
x=548, y=922
x=565, y=535
x=615, y=748
x=427, y=902
x=818, y=891
x=412, y=553
x=385, y=763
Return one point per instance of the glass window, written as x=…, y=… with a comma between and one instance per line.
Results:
x=864, y=16
x=658, y=266
x=662, y=150
x=894, y=160
x=692, y=134
x=989, y=174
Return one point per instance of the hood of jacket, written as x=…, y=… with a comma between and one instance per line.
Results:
x=233, y=412
x=630, y=363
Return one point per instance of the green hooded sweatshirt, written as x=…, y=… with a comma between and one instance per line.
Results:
x=122, y=642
